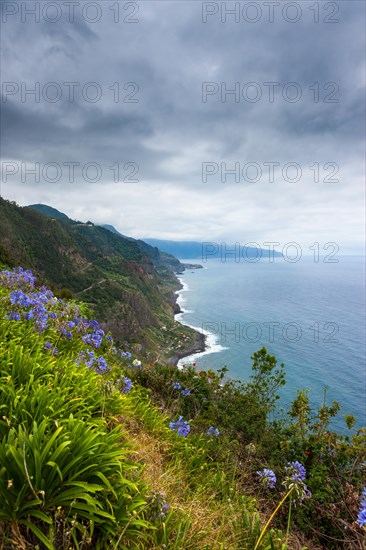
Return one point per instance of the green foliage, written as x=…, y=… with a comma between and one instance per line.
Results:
x=69, y=478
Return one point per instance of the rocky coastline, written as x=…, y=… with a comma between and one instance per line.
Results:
x=199, y=344
x=198, y=347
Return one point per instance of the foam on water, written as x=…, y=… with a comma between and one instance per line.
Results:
x=211, y=339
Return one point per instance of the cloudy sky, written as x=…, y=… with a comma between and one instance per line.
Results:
x=181, y=120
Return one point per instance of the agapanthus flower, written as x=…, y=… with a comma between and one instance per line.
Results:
x=94, y=339
x=66, y=333
x=127, y=385
x=18, y=277
x=267, y=477
x=20, y=298
x=13, y=316
x=361, y=518
x=180, y=426
x=101, y=364
x=50, y=347
x=296, y=474
x=157, y=507
x=213, y=431
x=296, y=470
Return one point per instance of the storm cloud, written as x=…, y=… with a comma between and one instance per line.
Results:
x=236, y=121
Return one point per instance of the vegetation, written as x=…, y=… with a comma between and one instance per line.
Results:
x=128, y=284
x=101, y=449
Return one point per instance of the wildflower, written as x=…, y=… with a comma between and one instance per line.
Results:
x=66, y=333
x=176, y=385
x=49, y=346
x=95, y=338
x=268, y=478
x=135, y=363
x=13, y=316
x=296, y=474
x=213, y=431
x=180, y=426
x=20, y=298
x=127, y=385
x=296, y=470
x=102, y=364
x=158, y=507
x=186, y=392
x=361, y=518
x=29, y=315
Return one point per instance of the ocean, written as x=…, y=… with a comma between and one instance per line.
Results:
x=310, y=315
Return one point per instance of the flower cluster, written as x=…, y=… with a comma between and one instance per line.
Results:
x=18, y=278
x=51, y=348
x=267, y=477
x=40, y=306
x=157, y=507
x=125, y=384
x=295, y=480
x=184, y=391
x=213, y=431
x=95, y=337
x=90, y=360
x=296, y=471
x=361, y=518
x=34, y=305
x=180, y=426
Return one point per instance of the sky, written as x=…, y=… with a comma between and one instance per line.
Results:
x=208, y=121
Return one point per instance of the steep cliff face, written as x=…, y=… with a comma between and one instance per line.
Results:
x=112, y=273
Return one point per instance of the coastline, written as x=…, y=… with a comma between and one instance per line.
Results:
x=205, y=342
x=199, y=345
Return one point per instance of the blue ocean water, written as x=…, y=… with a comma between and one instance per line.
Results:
x=310, y=315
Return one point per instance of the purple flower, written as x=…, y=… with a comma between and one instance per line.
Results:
x=361, y=518
x=13, y=316
x=29, y=314
x=296, y=470
x=213, y=431
x=268, y=477
x=19, y=297
x=95, y=338
x=102, y=364
x=127, y=385
x=49, y=346
x=186, y=392
x=176, y=385
x=180, y=426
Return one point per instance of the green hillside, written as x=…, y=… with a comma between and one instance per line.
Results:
x=128, y=285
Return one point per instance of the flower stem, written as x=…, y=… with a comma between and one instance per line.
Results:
x=272, y=516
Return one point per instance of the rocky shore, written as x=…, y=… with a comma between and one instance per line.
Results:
x=198, y=346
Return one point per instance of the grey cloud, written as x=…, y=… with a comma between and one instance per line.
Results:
x=170, y=131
